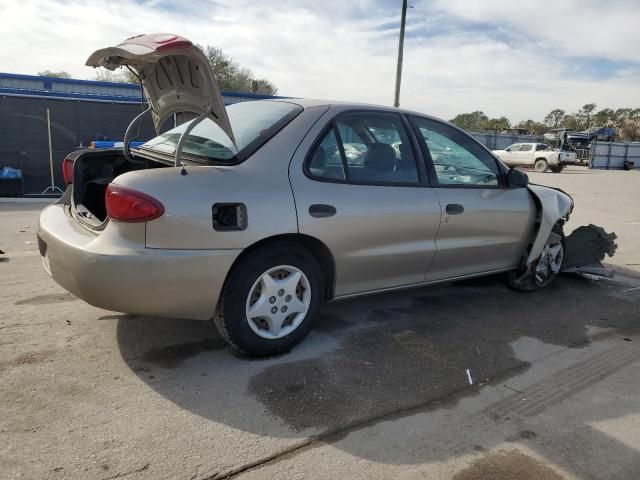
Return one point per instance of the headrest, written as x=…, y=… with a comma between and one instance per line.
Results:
x=380, y=156
x=405, y=151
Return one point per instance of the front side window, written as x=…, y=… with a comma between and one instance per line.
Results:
x=253, y=124
x=457, y=158
x=514, y=148
x=366, y=148
x=526, y=147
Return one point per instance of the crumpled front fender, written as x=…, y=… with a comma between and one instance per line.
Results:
x=555, y=205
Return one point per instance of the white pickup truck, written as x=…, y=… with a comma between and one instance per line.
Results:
x=537, y=155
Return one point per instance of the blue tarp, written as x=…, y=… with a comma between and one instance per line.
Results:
x=112, y=144
x=8, y=172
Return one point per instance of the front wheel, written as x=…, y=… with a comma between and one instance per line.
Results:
x=270, y=300
x=545, y=269
x=557, y=168
x=540, y=165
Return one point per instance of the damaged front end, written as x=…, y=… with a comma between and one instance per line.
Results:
x=549, y=252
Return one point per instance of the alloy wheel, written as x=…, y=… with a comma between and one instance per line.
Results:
x=550, y=261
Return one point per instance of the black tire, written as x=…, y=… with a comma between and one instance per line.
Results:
x=557, y=168
x=525, y=281
x=231, y=319
x=540, y=165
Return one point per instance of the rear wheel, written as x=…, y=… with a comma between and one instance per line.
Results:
x=540, y=165
x=545, y=269
x=557, y=168
x=270, y=300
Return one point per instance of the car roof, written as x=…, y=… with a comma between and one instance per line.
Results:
x=343, y=105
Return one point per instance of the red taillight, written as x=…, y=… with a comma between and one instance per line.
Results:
x=127, y=205
x=67, y=171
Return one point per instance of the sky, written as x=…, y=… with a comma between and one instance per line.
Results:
x=519, y=58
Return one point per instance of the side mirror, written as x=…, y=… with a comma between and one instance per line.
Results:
x=517, y=178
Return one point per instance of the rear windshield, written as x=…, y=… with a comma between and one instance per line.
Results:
x=253, y=123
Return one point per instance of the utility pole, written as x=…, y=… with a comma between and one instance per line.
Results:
x=403, y=20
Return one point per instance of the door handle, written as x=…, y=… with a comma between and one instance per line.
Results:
x=454, y=209
x=321, y=210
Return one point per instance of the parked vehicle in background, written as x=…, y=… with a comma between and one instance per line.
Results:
x=539, y=156
x=577, y=140
x=580, y=144
x=554, y=134
x=603, y=134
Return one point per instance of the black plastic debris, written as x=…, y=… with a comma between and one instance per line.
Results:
x=588, y=245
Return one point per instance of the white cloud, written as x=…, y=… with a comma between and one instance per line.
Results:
x=346, y=50
x=576, y=27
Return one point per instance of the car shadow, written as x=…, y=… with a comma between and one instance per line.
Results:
x=369, y=358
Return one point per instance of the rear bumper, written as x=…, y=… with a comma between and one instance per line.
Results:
x=115, y=271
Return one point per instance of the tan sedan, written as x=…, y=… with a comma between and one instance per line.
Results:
x=254, y=215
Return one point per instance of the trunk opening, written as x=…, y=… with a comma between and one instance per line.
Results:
x=93, y=171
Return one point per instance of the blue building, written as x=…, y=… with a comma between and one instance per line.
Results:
x=81, y=111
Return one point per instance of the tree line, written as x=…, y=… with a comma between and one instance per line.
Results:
x=625, y=120
x=229, y=74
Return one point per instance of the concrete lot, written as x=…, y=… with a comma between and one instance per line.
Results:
x=378, y=390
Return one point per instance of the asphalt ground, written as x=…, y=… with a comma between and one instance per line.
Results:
x=378, y=390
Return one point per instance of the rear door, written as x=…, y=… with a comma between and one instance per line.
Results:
x=485, y=225
x=359, y=189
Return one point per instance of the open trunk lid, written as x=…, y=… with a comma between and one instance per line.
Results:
x=175, y=75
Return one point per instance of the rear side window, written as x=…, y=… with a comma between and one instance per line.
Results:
x=326, y=161
x=253, y=124
x=542, y=146
x=365, y=148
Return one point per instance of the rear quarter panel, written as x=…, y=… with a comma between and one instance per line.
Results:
x=261, y=182
x=551, y=157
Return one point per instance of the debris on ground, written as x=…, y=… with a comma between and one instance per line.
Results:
x=586, y=247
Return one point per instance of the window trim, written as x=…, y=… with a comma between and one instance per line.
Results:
x=332, y=124
x=426, y=155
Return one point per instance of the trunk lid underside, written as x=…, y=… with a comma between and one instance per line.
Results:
x=175, y=75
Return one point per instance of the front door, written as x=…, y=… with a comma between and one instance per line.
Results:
x=359, y=189
x=485, y=225
x=525, y=155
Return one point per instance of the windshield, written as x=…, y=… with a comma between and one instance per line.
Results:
x=253, y=123
x=578, y=142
